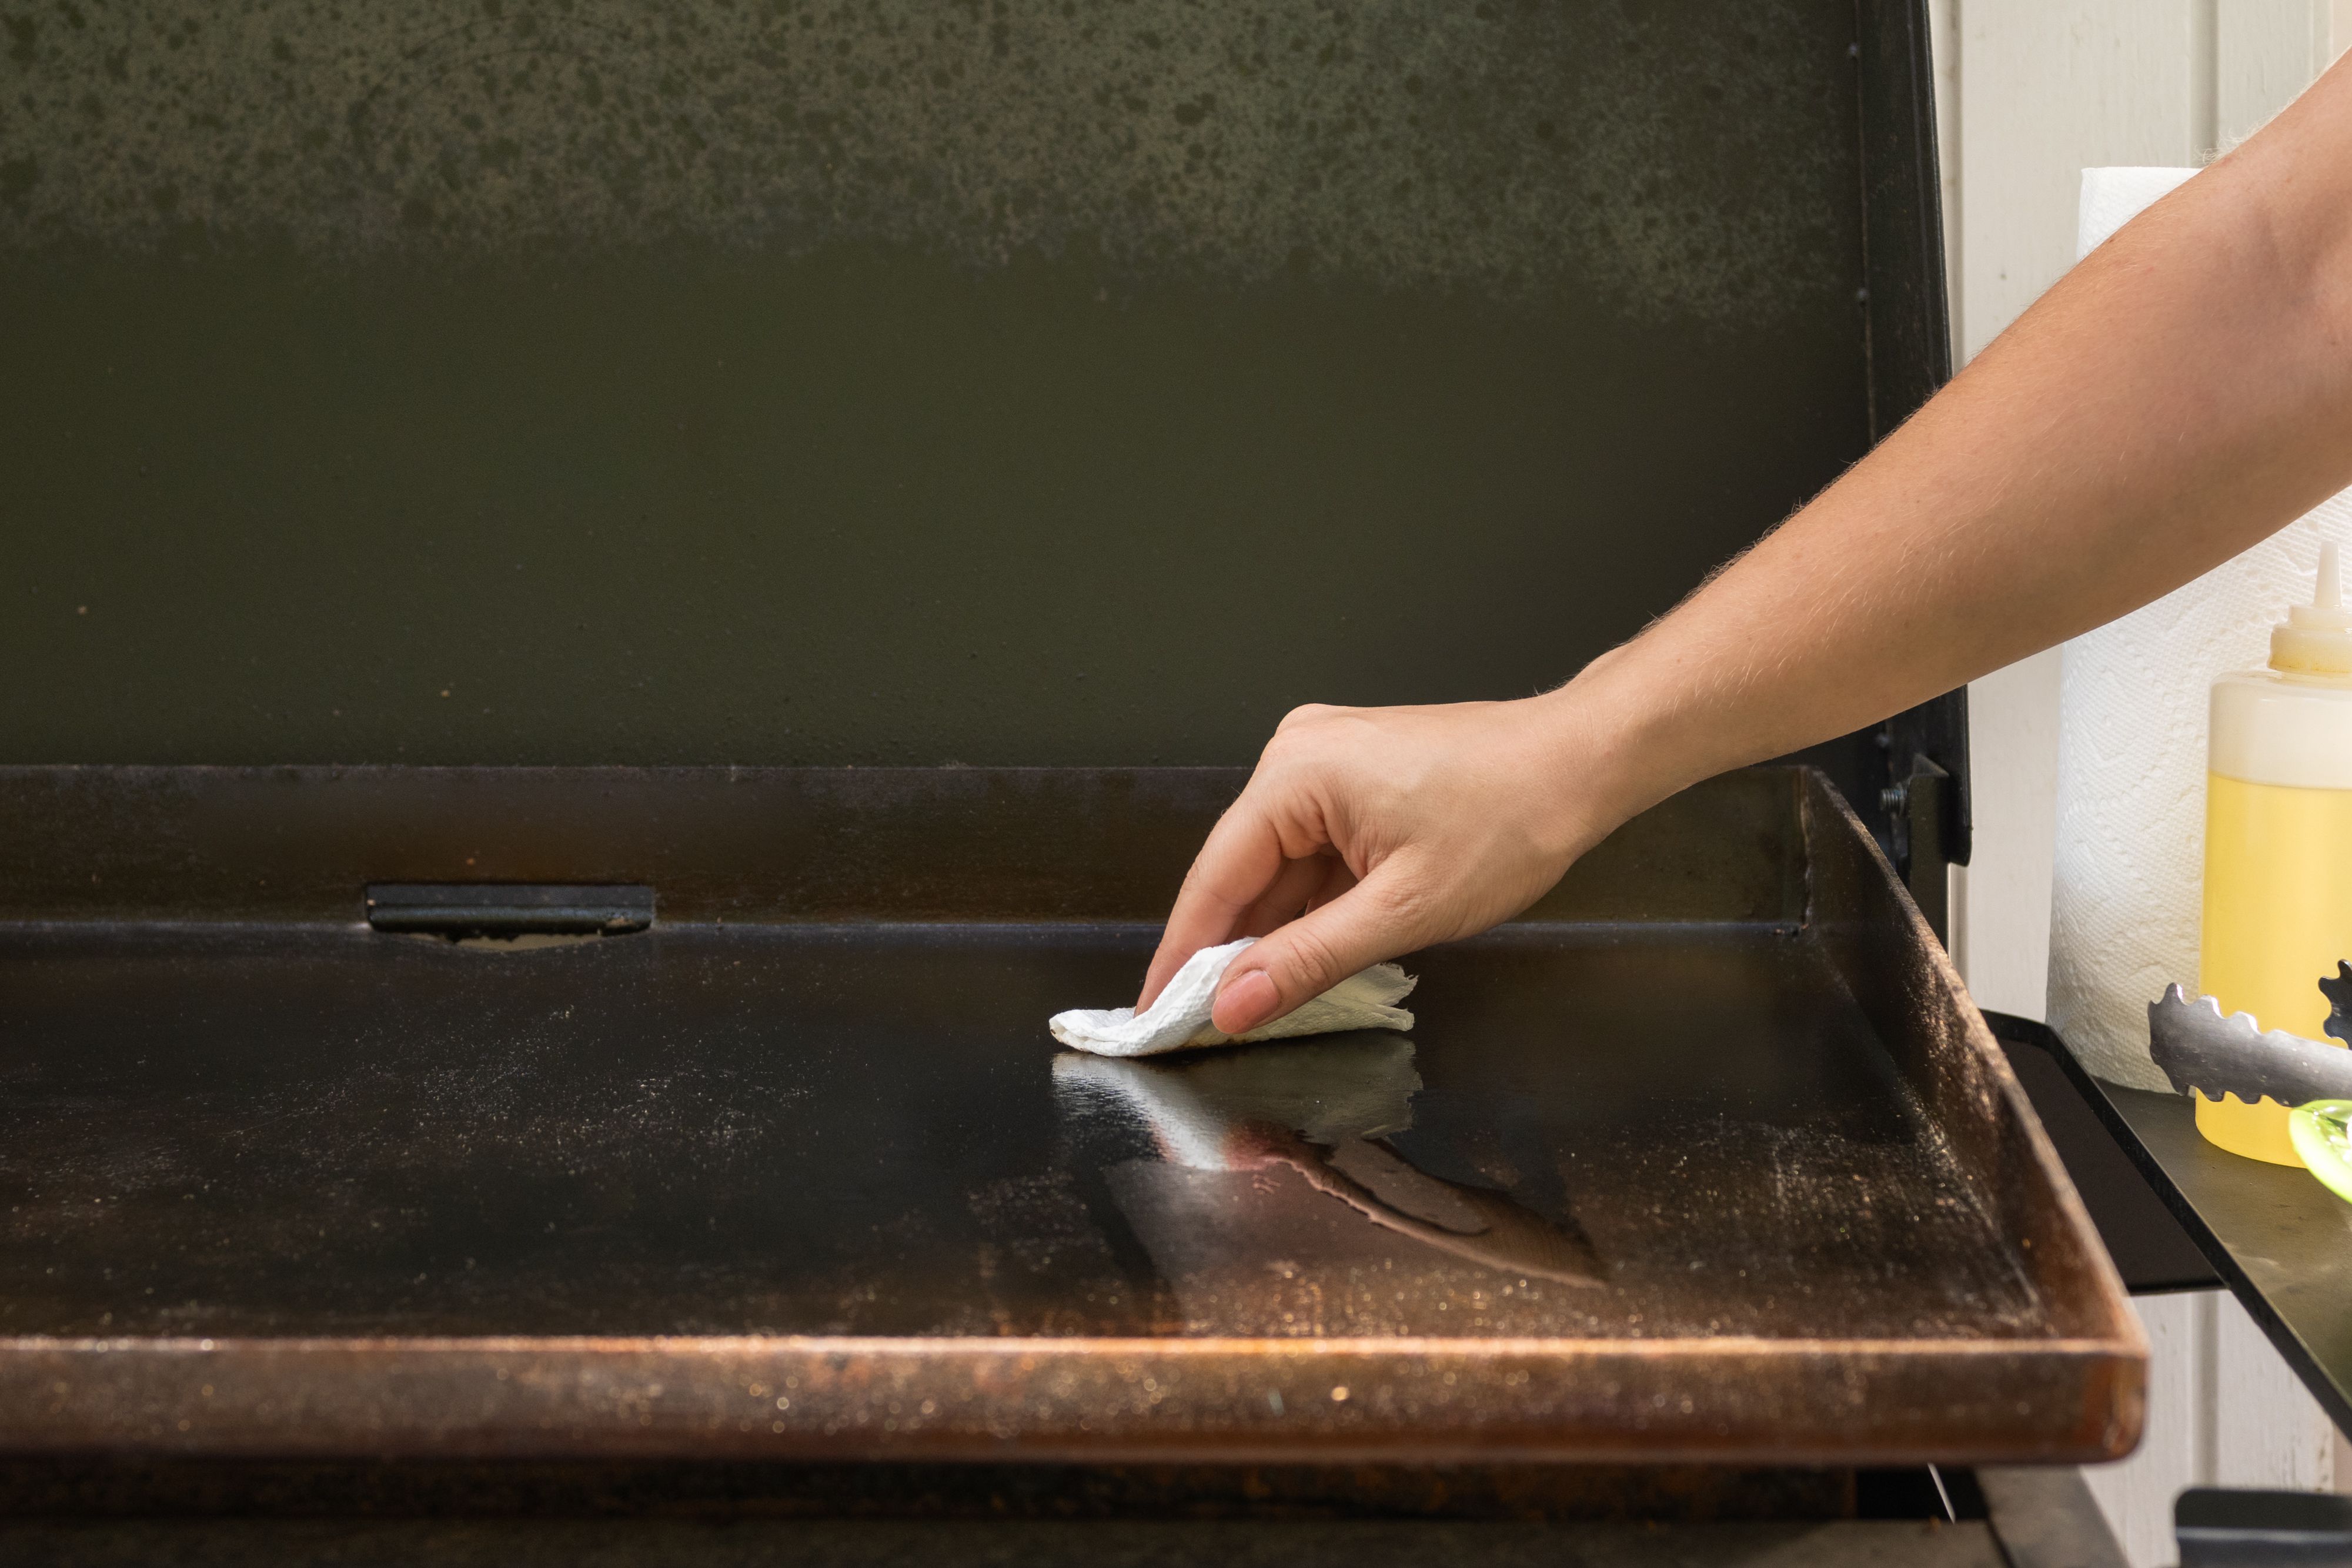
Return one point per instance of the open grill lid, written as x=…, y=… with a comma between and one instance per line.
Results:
x=578, y=383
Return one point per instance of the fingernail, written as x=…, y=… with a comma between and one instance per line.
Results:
x=1246, y=1002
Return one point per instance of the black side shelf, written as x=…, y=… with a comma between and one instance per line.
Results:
x=2275, y=1238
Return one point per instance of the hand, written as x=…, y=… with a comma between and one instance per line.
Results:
x=1368, y=832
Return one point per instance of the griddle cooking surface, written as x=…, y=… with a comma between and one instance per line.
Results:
x=858, y=1130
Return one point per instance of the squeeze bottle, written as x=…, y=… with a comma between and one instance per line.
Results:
x=2278, y=845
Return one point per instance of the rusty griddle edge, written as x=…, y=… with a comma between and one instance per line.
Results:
x=2076, y=1397
x=1251, y=1401
x=1913, y=994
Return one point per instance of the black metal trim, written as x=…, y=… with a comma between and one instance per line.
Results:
x=2151, y=1238
x=1907, y=343
x=2220, y=1527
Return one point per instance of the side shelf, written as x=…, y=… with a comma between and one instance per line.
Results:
x=2178, y=1214
x=2150, y=1248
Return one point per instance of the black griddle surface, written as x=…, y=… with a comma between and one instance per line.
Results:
x=304, y=1130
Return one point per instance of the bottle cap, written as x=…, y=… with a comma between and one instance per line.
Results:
x=2316, y=638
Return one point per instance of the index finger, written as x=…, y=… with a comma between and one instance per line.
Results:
x=1240, y=859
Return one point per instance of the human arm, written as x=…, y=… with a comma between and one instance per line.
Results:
x=2179, y=395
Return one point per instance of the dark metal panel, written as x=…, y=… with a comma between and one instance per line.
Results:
x=890, y=384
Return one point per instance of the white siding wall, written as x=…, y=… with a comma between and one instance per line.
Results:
x=2032, y=92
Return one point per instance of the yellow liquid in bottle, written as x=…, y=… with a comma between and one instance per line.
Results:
x=2278, y=916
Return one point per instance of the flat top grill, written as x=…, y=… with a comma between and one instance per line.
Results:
x=1706, y=1158
x=564, y=384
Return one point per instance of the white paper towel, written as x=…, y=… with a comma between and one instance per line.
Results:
x=2127, y=881
x=2114, y=197
x=1179, y=1018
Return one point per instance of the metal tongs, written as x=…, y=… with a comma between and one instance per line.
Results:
x=2204, y=1053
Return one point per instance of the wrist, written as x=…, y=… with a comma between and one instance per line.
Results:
x=1611, y=748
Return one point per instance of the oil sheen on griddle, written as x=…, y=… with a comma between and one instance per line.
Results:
x=2278, y=845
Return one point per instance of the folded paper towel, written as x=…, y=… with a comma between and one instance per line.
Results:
x=2126, y=881
x=1180, y=1018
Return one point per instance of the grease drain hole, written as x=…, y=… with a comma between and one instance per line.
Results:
x=509, y=916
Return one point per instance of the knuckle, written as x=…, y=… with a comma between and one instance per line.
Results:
x=1315, y=735
x=1304, y=717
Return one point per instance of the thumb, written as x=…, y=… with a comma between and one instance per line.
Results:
x=1300, y=961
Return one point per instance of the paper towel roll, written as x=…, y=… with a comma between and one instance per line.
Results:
x=2126, y=881
x=2114, y=197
